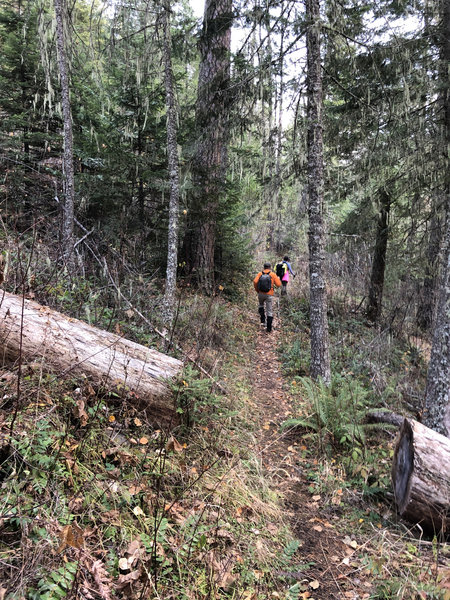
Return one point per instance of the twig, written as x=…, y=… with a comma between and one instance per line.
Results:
x=83, y=238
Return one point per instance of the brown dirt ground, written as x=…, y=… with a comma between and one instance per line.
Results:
x=314, y=526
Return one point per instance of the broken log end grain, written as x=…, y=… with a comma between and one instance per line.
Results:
x=421, y=476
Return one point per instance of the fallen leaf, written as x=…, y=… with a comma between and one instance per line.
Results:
x=135, y=489
x=134, y=547
x=112, y=517
x=102, y=579
x=349, y=542
x=71, y=536
x=124, y=580
x=137, y=510
x=82, y=414
x=173, y=445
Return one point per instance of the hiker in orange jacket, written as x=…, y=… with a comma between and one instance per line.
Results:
x=264, y=284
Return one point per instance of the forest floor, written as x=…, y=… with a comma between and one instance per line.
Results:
x=329, y=554
x=231, y=505
x=342, y=554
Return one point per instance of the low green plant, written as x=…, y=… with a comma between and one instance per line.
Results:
x=295, y=359
x=38, y=457
x=194, y=396
x=57, y=584
x=397, y=587
x=337, y=412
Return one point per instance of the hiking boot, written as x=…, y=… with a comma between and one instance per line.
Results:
x=262, y=314
x=269, y=324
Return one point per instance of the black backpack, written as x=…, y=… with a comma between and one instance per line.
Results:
x=281, y=269
x=265, y=283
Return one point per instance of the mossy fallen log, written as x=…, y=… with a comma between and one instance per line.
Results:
x=69, y=346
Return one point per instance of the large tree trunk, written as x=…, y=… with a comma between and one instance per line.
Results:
x=437, y=394
x=427, y=300
x=67, y=345
x=379, y=259
x=69, y=177
x=421, y=476
x=320, y=355
x=212, y=121
x=172, y=160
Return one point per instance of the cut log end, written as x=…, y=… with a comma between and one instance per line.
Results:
x=403, y=466
x=421, y=476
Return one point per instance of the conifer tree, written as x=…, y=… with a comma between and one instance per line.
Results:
x=376, y=285
x=320, y=358
x=173, y=167
x=209, y=163
x=437, y=393
x=68, y=168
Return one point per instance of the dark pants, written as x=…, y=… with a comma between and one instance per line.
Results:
x=284, y=288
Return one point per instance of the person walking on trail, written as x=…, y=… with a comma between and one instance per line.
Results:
x=283, y=270
x=264, y=284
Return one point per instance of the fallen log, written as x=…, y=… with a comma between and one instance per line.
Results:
x=70, y=346
x=383, y=416
x=421, y=476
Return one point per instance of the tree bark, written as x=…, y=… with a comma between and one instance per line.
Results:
x=379, y=259
x=172, y=159
x=437, y=393
x=421, y=476
x=68, y=168
x=320, y=357
x=427, y=300
x=212, y=121
x=67, y=345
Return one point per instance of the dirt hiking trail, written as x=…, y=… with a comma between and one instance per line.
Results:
x=331, y=571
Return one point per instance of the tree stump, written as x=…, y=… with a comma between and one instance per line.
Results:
x=68, y=346
x=421, y=476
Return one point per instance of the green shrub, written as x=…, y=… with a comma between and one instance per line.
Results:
x=337, y=412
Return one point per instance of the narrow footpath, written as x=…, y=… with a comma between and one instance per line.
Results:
x=328, y=555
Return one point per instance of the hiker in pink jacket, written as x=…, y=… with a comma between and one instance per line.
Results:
x=285, y=278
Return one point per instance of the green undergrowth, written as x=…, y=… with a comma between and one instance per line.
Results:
x=96, y=501
x=346, y=460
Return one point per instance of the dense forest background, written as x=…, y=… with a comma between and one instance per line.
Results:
x=384, y=80
x=150, y=162
x=157, y=148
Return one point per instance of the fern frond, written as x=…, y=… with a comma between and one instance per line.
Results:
x=293, y=423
